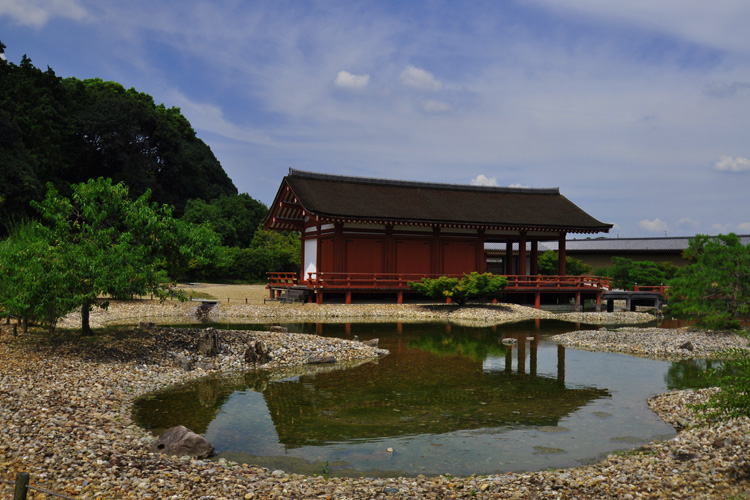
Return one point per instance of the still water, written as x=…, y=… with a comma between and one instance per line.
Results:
x=447, y=399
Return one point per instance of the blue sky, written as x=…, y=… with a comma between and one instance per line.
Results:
x=638, y=111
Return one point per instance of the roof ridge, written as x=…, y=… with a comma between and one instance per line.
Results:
x=432, y=185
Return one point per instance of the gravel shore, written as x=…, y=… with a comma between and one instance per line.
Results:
x=65, y=418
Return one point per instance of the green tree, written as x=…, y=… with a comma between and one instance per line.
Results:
x=97, y=243
x=234, y=218
x=474, y=285
x=714, y=288
x=626, y=273
x=548, y=263
x=733, y=378
x=67, y=131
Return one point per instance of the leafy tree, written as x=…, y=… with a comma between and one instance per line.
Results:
x=548, y=263
x=97, y=243
x=472, y=285
x=66, y=131
x=234, y=218
x=733, y=378
x=626, y=273
x=715, y=287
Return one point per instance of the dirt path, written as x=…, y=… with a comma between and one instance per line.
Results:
x=235, y=293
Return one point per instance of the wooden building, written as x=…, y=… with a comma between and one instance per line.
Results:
x=362, y=234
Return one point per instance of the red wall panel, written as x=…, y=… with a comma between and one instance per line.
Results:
x=413, y=256
x=365, y=255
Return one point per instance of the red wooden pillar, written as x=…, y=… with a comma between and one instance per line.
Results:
x=509, y=257
x=399, y=297
x=319, y=297
x=437, y=258
x=348, y=297
x=561, y=255
x=537, y=300
x=481, y=258
x=599, y=301
x=522, y=254
x=534, y=258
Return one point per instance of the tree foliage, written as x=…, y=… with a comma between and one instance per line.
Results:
x=733, y=379
x=549, y=262
x=626, y=273
x=269, y=251
x=66, y=131
x=474, y=285
x=96, y=243
x=714, y=288
x=234, y=218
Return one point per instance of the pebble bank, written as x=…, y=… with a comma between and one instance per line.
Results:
x=65, y=418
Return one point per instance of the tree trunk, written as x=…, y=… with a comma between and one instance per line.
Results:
x=85, y=327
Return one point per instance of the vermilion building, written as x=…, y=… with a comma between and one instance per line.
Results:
x=365, y=235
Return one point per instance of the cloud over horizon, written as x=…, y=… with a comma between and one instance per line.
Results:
x=349, y=81
x=732, y=165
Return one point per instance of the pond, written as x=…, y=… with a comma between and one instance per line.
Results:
x=448, y=399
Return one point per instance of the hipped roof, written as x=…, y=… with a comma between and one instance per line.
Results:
x=334, y=198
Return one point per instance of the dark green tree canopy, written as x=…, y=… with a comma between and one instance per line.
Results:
x=66, y=131
x=714, y=288
x=235, y=218
x=626, y=273
x=549, y=261
x=97, y=242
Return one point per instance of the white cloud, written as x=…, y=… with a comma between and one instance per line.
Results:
x=349, y=81
x=37, y=13
x=483, y=180
x=419, y=78
x=436, y=106
x=654, y=226
x=688, y=222
x=722, y=228
x=724, y=89
x=744, y=227
x=729, y=164
x=2, y=56
x=517, y=185
x=210, y=118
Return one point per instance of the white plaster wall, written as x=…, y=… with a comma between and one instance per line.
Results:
x=311, y=256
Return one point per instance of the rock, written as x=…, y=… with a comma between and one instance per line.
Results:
x=509, y=341
x=257, y=353
x=279, y=329
x=688, y=346
x=371, y=342
x=208, y=344
x=321, y=360
x=181, y=361
x=181, y=441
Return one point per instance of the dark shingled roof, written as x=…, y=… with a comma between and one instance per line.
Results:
x=358, y=199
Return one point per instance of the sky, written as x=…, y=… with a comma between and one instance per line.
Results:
x=638, y=111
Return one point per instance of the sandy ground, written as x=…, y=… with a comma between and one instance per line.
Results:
x=253, y=294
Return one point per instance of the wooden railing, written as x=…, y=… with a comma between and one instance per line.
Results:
x=400, y=281
x=651, y=288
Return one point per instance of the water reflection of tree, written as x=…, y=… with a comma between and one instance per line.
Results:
x=475, y=348
x=691, y=374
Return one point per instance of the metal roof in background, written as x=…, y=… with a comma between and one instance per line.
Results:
x=669, y=244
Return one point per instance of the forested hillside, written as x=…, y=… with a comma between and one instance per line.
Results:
x=66, y=131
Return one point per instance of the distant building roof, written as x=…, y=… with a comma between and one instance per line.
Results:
x=671, y=244
x=332, y=198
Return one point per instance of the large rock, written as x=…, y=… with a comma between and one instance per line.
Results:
x=208, y=344
x=257, y=353
x=181, y=441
